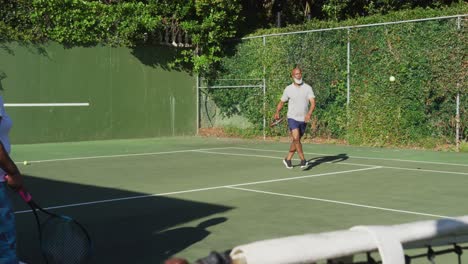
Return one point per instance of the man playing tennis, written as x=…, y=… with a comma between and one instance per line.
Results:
x=298, y=95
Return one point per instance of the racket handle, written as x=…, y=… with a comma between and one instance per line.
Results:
x=22, y=192
x=25, y=195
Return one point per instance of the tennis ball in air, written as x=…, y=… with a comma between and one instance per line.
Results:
x=392, y=78
x=25, y=162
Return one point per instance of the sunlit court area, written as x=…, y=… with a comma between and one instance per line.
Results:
x=233, y=132
x=146, y=200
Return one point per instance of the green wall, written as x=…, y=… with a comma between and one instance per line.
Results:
x=132, y=93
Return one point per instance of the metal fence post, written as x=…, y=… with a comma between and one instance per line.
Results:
x=198, y=102
x=457, y=111
x=348, y=85
x=264, y=93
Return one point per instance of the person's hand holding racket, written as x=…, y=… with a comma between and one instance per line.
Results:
x=277, y=115
x=62, y=239
x=277, y=120
x=15, y=182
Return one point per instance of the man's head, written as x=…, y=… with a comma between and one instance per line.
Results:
x=296, y=74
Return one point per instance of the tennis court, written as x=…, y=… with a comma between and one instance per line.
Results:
x=148, y=199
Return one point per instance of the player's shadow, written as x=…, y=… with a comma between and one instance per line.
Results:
x=319, y=160
x=175, y=240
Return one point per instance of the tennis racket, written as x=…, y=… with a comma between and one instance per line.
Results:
x=276, y=122
x=62, y=239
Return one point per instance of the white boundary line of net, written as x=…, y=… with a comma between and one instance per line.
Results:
x=389, y=240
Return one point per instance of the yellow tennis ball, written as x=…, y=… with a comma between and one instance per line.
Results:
x=392, y=78
x=25, y=162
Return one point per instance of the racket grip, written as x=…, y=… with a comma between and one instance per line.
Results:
x=25, y=195
x=22, y=192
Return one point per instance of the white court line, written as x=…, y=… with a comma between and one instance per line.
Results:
x=360, y=157
x=196, y=190
x=338, y=202
x=346, y=163
x=424, y=170
x=45, y=104
x=121, y=155
x=273, y=157
x=303, y=177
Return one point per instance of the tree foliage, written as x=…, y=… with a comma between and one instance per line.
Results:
x=209, y=23
x=123, y=23
x=428, y=60
x=264, y=13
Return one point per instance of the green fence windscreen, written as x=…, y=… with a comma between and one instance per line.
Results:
x=121, y=93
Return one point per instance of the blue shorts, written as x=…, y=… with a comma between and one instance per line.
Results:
x=293, y=124
x=7, y=229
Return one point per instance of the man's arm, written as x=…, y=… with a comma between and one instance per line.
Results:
x=278, y=109
x=14, y=179
x=311, y=109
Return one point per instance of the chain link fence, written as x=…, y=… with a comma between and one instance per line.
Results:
x=349, y=69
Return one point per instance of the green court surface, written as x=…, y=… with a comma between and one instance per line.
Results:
x=146, y=200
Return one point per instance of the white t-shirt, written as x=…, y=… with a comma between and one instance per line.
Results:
x=5, y=126
x=298, y=97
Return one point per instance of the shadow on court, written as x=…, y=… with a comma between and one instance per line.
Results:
x=319, y=160
x=138, y=229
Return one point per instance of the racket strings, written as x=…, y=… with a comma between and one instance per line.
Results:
x=64, y=241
